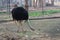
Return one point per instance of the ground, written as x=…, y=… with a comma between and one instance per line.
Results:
x=48, y=29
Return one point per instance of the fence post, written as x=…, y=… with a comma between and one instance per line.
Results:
x=26, y=5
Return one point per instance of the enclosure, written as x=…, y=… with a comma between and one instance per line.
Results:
x=44, y=16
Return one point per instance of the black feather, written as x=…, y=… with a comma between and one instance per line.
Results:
x=19, y=13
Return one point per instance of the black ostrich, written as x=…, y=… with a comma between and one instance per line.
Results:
x=20, y=14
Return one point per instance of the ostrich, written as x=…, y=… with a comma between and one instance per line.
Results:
x=19, y=14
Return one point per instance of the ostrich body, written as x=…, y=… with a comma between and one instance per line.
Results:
x=19, y=14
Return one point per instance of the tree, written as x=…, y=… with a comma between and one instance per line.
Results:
x=52, y=2
x=40, y=3
x=26, y=5
x=34, y=3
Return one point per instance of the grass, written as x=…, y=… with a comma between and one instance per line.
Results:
x=3, y=12
x=29, y=33
x=39, y=13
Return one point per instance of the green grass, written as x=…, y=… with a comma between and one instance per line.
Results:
x=3, y=12
x=29, y=33
x=39, y=13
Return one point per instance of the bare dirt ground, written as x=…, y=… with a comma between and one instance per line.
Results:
x=46, y=29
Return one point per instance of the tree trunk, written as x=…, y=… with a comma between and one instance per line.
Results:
x=52, y=2
x=26, y=5
x=34, y=4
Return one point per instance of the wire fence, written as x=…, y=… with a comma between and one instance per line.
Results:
x=35, y=8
